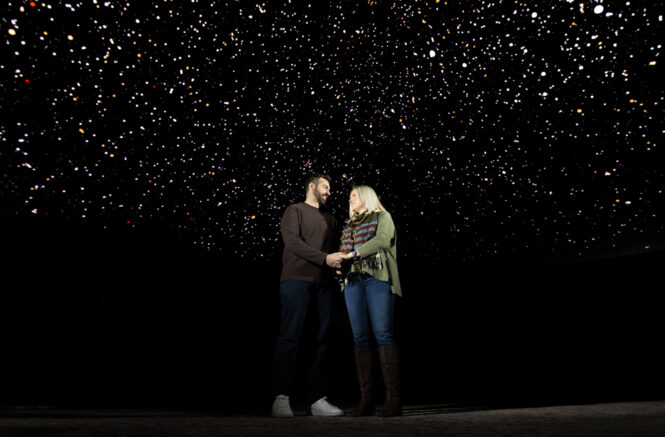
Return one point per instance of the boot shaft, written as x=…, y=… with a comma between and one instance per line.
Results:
x=364, y=369
x=389, y=357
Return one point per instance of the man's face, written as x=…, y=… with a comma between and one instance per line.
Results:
x=322, y=191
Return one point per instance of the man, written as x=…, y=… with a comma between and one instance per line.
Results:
x=307, y=281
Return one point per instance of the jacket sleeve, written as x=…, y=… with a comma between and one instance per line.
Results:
x=385, y=232
x=290, y=227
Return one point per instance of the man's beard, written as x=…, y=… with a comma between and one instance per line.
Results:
x=319, y=197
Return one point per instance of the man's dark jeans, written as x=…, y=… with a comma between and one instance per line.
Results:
x=300, y=299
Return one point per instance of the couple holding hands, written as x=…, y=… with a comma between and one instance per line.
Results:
x=365, y=267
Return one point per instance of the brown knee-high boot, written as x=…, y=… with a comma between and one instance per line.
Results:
x=390, y=366
x=365, y=406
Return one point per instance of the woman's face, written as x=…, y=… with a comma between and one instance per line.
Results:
x=356, y=204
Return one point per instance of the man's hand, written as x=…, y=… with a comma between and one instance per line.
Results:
x=334, y=260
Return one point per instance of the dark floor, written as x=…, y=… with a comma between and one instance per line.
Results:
x=153, y=356
x=602, y=419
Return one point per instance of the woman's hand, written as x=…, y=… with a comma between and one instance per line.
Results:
x=350, y=255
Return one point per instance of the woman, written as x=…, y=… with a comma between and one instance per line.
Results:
x=371, y=286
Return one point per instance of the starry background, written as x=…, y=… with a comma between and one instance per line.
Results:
x=148, y=150
x=489, y=129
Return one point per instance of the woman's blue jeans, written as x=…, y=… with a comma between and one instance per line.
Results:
x=370, y=303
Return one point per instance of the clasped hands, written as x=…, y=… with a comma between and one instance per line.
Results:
x=334, y=260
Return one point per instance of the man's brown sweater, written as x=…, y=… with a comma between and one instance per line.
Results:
x=309, y=235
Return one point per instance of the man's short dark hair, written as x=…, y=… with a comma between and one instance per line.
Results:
x=315, y=180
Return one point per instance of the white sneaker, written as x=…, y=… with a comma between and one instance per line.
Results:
x=281, y=407
x=324, y=408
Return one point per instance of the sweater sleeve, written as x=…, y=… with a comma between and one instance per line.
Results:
x=290, y=227
x=385, y=232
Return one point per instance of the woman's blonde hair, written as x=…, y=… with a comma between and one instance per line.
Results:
x=368, y=197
